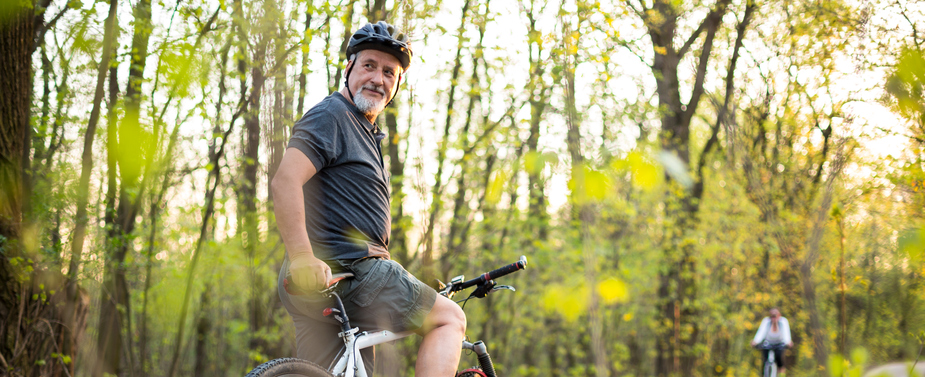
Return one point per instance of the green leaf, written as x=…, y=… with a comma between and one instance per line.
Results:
x=912, y=243
x=496, y=187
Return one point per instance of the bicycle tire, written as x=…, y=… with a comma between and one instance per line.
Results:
x=472, y=372
x=289, y=367
x=769, y=369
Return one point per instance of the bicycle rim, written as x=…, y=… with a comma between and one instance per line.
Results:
x=288, y=367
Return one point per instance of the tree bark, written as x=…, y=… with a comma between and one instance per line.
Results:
x=16, y=46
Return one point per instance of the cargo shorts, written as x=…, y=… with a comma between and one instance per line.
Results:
x=380, y=296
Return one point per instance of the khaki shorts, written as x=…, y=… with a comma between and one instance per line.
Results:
x=381, y=296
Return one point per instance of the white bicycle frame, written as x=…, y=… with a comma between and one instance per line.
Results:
x=350, y=364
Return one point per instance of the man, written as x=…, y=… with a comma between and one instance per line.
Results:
x=775, y=330
x=332, y=205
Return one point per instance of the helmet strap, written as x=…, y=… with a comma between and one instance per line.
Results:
x=347, y=79
x=396, y=91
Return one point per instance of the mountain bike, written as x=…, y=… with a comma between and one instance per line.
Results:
x=770, y=365
x=349, y=362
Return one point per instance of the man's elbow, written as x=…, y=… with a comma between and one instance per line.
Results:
x=278, y=184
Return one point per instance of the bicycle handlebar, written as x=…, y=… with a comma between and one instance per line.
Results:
x=491, y=275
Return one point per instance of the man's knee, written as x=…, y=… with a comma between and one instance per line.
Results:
x=446, y=314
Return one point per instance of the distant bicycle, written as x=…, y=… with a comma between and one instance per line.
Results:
x=770, y=364
x=349, y=362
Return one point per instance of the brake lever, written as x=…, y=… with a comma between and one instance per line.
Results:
x=484, y=289
x=503, y=287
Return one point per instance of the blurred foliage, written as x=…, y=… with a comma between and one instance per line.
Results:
x=598, y=242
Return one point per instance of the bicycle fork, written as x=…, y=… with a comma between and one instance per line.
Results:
x=484, y=359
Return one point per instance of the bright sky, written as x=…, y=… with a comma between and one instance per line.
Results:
x=505, y=45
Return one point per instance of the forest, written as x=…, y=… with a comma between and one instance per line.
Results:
x=671, y=169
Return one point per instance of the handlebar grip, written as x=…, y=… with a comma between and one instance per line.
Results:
x=491, y=275
x=519, y=265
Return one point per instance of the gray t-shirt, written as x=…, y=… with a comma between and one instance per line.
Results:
x=347, y=211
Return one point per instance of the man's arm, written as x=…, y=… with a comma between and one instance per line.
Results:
x=308, y=272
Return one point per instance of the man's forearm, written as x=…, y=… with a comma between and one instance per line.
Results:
x=289, y=207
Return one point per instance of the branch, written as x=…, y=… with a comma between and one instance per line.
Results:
x=730, y=74
x=491, y=127
x=42, y=29
x=629, y=47
x=282, y=59
x=714, y=20
x=915, y=32
x=695, y=35
x=894, y=132
x=639, y=13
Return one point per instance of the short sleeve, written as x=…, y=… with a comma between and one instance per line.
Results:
x=318, y=137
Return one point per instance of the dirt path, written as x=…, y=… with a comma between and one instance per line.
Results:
x=896, y=370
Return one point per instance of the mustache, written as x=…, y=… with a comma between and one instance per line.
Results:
x=373, y=88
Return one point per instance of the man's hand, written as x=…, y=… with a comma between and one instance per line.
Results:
x=790, y=345
x=754, y=343
x=309, y=273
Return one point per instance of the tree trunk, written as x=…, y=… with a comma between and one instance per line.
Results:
x=582, y=209
x=16, y=46
x=539, y=93
x=398, y=239
x=677, y=284
x=109, y=339
x=308, y=34
x=436, y=202
x=248, y=189
x=459, y=224
x=203, y=327
x=347, y=21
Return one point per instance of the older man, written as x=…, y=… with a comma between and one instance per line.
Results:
x=332, y=204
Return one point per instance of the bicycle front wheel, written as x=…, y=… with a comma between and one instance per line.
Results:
x=770, y=370
x=288, y=367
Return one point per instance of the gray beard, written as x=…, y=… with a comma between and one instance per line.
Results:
x=367, y=106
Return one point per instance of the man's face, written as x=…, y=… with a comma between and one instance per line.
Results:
x=373, y=80
x=775, y=314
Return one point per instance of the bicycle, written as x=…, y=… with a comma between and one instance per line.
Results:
x=349, y=362
x=770, y=365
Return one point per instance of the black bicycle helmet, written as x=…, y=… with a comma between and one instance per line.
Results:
x=383, y=37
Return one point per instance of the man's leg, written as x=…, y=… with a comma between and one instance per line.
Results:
x=444, y=330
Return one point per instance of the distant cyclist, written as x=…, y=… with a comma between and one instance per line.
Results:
x=332, y=204
x=774, y=329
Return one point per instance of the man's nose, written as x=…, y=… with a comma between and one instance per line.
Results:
x=378, y=78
